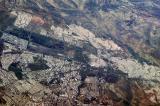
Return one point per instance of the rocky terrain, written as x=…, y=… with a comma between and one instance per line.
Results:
x=79, y=53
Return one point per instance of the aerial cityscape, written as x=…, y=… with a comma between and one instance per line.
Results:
x=79, y=53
